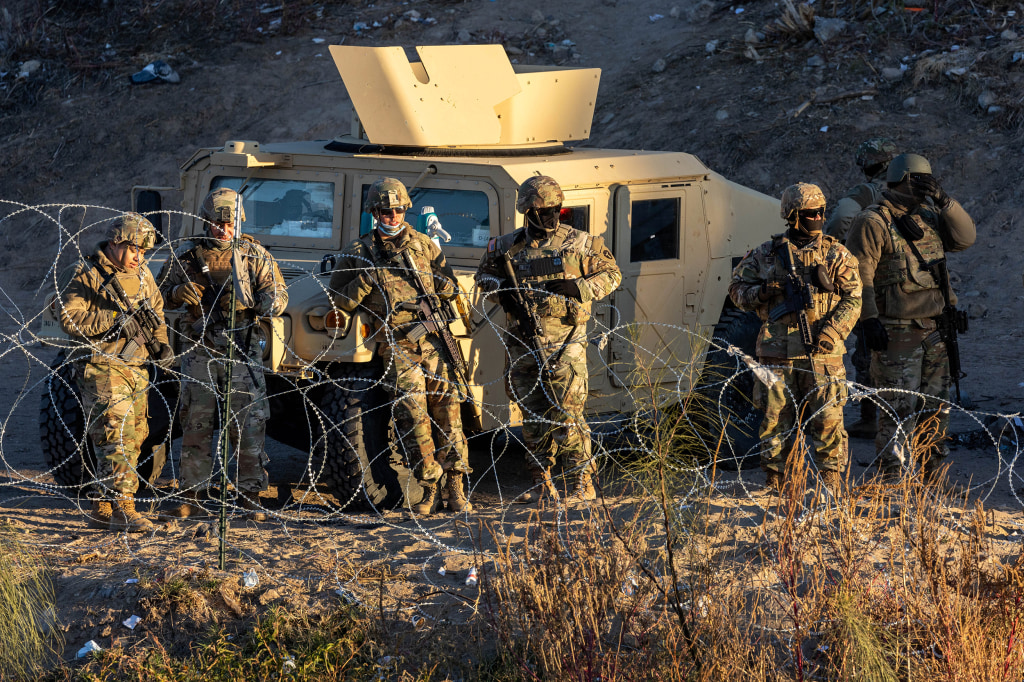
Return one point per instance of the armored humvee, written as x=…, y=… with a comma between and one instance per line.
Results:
x=462, y=128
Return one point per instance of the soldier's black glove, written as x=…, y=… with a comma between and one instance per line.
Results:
x=769, y=289
x=928, y=186
x=875, y=336
x=569, y=288
x=165, y=358
x=126, y=327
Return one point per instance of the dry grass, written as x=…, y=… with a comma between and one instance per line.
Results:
x=28, y=632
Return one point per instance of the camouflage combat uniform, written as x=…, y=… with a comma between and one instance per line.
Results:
x=109, y=369
x=552, y=398
x=906, y=297
x=812, y=384
x=261, y=292
x=372, y=273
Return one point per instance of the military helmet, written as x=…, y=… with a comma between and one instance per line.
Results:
x=388, y=193
x=219, y=206
x=540, y=191
x=878, y=151
x=801, y=195
x=132, y=228
x=905, y=164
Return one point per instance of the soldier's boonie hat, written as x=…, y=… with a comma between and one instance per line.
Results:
x=801, y=195
x=388, y=193
x=905, y=164
x=132, y=228
x=875, y=152
x=540, y=191
x=219, y=206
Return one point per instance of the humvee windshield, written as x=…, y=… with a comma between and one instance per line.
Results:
x=463, y=214
x=285, y=208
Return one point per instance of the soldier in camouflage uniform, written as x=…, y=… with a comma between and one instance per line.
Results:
x=899, y=242
x=199, y=277
x=873, y=157
x=110, y=364
x=372, y=273
x=561, y=272
x=811, y=377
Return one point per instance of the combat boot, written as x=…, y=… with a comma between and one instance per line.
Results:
x=431, y=500
x=543, y=488
x=774, y=481
x=867, y=427
x=124, y=516
x=583, y=489
x=99, y=516
x=457, y=500
x=250, y=505
x=188, y=507
x=832, y=481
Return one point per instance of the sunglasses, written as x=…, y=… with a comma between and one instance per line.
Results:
x=812, y=212
x=391, y=211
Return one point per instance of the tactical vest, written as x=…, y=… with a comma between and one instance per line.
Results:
x=558, y=259
x=806, y=262
x=394, y=296
x=905, y=288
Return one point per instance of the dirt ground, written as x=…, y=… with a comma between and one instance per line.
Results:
x=676, y=75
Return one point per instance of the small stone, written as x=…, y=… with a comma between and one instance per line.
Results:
x=268, y=597
x=817, y=61
x=674, y=12
x=910, y=103
x=465, y=36
x=513, y=50
x=826, y=29
x=751, y=37
x=892, y=74
x=701, y=11
x=977, y=311
x=987, y=98
x=658, y=66
x=29, y=68
x=994, y=109
x=412, y=14
x=541, y=32
x=721, y=115
x=1008, y=35
x=537, y=16
x=710, y=46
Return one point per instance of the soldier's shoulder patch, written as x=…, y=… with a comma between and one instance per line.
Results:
x=492, y=245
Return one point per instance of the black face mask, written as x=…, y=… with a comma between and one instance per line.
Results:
x=542, y=222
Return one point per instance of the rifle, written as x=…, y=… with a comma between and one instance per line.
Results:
x=951, y=322
x=435, y=321
x=799, y=299
x=525, y=311
x=143, y=313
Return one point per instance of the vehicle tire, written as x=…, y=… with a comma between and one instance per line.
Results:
x=66, y=448
x=358, y=461
x=727, y=386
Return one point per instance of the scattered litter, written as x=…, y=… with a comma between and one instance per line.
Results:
x=711, y=46
x=250, y=579
x=823, y=129
x=629, y=586
x=471, y=579
x=131, y=621
x=656, y=17
x=360, y=26
x=1017, y=56
x=740, y=10
x=156, y=70
x=319, y=41
x=89, y=647
x=131, y=581
x=954, y=48
x=416, y=620
x=288, y=665
x=278, y=53
x=441, y=571
x=658, y=66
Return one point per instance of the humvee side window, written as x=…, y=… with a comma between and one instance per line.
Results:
x=463, y=214
x=577, y=216
x=285, y=208
x=654, y=230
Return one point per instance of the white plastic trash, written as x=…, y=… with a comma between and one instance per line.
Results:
x=471, y=579
x=250, y=579
x=89, y=647
x=131, y=621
